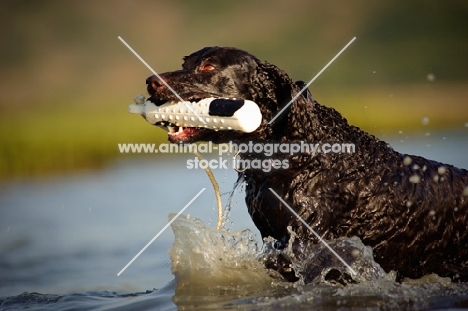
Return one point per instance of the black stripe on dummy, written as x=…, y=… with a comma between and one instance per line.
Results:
x=225, y=107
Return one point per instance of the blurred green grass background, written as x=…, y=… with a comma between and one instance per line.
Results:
x=66, y=80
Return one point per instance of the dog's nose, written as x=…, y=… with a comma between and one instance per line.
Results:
x=154, y=82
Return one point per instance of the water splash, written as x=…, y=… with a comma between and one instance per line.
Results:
x=204, y=255
x=228, y=207
x=314, y=263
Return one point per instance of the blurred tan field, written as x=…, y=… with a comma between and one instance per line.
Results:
x=66, y=80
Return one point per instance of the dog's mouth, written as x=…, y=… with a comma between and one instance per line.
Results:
x=179, y=134
x=175, y=133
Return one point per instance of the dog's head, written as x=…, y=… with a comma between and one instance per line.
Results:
x=219, y=72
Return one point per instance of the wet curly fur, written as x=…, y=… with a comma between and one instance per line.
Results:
x=415, y=225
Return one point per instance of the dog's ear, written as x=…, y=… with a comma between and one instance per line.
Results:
x=305, y=93
x=272, y=89
x=273, y=83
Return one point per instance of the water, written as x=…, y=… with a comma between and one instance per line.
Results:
x=64, y=239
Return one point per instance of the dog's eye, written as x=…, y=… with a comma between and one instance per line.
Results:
x=207, y=67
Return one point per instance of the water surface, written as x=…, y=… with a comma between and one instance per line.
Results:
x=64, y=239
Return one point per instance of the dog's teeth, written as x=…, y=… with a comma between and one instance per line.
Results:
x=181, y=129
x=170, y=128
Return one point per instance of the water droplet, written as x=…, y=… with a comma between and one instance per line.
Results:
x=465, y=191
x=441, y=170
x=430, y=77
x=424, y=121
x=415, y=179
x=407, y=160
